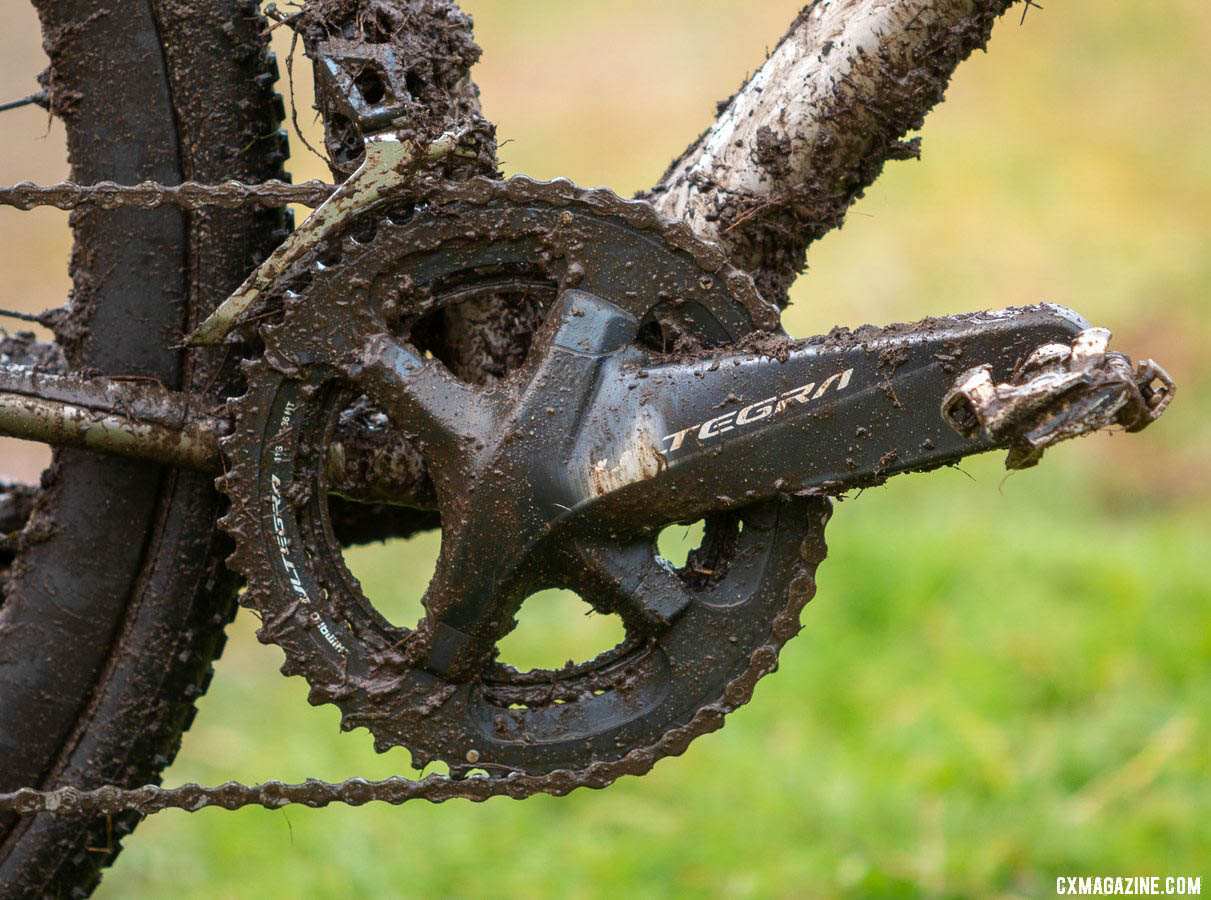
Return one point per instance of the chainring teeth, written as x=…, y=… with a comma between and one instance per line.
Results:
x=290, y=629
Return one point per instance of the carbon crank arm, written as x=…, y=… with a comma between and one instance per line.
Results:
x=600, y=441
x=818, y=416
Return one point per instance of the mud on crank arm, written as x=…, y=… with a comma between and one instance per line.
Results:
x=827, y=414
x=608, y=441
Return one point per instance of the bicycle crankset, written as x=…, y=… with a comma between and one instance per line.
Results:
x=656, y=390
x=524, y=473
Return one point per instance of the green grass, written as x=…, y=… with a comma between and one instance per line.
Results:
x=1001, y=680
x=995, y=686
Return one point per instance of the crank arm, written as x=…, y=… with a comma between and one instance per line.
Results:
x=143, y=420
x=678, y=440
x=604, y=442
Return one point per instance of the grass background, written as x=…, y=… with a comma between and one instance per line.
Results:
x=1001, y=681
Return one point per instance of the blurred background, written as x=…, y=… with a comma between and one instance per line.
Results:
x=1001, y=680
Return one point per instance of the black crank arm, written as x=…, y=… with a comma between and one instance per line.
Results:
x=677, y=440
x=601, y=441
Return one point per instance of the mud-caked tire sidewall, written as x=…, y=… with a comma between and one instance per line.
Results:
x=115, y=607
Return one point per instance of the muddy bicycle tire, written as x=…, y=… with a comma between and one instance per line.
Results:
x=115, y=605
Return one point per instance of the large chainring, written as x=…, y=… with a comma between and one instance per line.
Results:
x=666, y=682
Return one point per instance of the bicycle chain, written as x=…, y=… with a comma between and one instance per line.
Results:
x=396, y=790
x=149, y=195
x=110, y=800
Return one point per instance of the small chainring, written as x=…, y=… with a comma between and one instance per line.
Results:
x=665, y=683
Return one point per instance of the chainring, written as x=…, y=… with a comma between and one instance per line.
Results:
x=615, y=714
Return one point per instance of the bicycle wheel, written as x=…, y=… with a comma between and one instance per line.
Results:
x=115, y=605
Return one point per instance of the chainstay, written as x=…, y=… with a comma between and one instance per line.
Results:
x=110, y=799
x=149, y=195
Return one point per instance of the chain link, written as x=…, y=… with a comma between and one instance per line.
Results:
x=149, y=195
x=396, y=790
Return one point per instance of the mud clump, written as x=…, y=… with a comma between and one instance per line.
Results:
x=432, y=41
